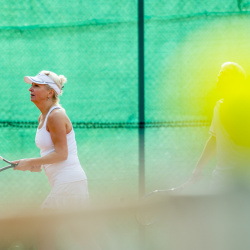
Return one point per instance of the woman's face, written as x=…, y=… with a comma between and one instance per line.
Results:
x=221, y=75
x=38, y=92
x=230, y=81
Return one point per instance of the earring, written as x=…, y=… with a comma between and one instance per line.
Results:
x=48, y=98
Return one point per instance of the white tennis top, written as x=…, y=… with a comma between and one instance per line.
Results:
x=229, y=155
x=62, y=172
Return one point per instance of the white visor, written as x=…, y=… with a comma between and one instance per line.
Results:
x=42, y=79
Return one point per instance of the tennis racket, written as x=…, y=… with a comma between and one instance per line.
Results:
x=12, y=165
x=154, y=204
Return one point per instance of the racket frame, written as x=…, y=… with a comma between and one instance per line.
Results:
x=12, y=165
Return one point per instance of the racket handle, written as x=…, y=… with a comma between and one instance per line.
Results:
x=12, y=164
x=7, y=167
x=5, y=160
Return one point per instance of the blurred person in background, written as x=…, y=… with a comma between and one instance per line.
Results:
x=229, y=137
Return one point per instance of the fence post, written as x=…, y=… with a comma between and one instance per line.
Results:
x=141, y=97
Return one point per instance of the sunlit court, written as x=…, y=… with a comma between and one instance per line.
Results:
x=125, y=125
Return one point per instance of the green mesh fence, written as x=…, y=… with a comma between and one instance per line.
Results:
x=95, y=45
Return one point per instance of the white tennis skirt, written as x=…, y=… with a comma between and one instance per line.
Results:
x=73, y=195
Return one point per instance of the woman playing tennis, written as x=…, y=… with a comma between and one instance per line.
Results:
x=55, y=138
x=229, y=132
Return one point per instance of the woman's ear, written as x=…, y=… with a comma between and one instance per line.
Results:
x=51, y=93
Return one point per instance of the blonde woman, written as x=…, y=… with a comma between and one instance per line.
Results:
x=55, y=138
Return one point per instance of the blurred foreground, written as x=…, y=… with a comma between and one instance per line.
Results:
x=182, y=222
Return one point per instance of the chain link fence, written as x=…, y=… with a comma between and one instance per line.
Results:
x=95, y=45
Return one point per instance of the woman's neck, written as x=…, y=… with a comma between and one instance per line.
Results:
x=45, y=107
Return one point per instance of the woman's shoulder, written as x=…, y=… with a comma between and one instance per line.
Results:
x=218, y=105
x=57, y=114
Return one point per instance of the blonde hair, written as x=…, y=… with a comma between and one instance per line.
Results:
x=231, y=79
x=234, y=70
x=59, y=80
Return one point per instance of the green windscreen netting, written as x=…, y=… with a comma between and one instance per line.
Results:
x=95, y=45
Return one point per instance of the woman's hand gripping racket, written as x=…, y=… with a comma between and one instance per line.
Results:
x=12, y=165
